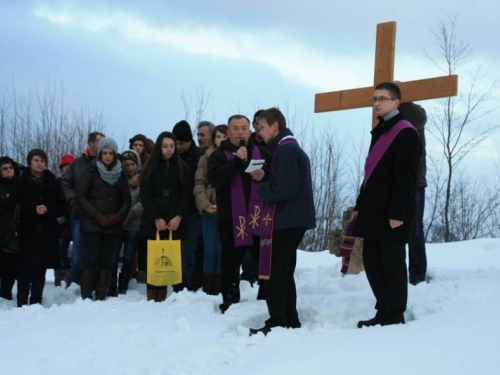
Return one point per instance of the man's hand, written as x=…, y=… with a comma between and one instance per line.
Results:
x=41, y=210
x=173, y=224
x=395, y=223
x=102, y=219
x=115, y=218
x=354, y=215
x=258, y=174
x=134, y=181
x=242, y=153
x=211, y=209
x=160, y=224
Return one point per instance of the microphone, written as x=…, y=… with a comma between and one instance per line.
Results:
x=243, y=144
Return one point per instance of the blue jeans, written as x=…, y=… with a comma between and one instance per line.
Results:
x=188, y=248
x=417, y=266
x=211, y=242
x=76, y=255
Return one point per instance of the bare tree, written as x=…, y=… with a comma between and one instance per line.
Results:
x=40, y=120
x=202, y=101
x=451, y=120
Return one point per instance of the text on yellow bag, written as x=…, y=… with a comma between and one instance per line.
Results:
x=164, y=261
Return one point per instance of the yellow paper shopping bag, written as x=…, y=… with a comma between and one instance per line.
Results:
x=164, y=261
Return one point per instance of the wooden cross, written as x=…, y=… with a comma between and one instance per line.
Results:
x=411, y=91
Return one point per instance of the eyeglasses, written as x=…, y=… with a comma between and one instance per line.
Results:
x=7, y=167
x=380, y=99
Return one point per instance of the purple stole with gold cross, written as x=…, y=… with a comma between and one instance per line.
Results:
x=375, y=155
x=266, y=234
x=246, y=223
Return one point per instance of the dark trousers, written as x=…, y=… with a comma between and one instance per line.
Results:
x=281, y=295
x=385, y=266
x=98, y=250
x=231, y=260
x=8, y=268
x=30, y=283
x=188, y=248
x=129, y=240
x=417, y=265
x=76, y=254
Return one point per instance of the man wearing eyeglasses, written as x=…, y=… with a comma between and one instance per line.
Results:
x=385, y=208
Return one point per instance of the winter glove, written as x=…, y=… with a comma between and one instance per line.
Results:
x=102, y=219
x=115, y=218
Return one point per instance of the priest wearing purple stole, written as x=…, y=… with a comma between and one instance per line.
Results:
x=239, y=207
x=288, y=213
x=385, y=208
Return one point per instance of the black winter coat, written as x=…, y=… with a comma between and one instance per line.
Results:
x=164, y=196
x=290, y=186
x=191, y=158
x=221, y=172
x=72, y=179
x=7, y=206
x=390, y=190
x=39, y=234
x=94, y=195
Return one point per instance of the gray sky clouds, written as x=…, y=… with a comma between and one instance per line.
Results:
x=135, y=59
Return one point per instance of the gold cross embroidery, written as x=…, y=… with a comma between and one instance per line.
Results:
x=267, y=219
x=241, y=228
x=255, y=217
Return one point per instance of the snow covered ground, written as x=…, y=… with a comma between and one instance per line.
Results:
x=453, y=326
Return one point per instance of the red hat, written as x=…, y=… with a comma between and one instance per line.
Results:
x=66, y=159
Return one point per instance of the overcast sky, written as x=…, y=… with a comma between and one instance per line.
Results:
x=135, y=59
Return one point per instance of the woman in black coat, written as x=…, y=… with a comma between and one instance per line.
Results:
x=166, y=191
x=104, y=196
x=9, y=175
x=41, y=203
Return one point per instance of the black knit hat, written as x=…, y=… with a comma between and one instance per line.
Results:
x=182, y=131
x=36, y=152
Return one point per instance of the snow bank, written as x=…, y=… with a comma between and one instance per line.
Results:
x=452, y=326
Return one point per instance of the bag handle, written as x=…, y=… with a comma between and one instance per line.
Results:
x=158, y=235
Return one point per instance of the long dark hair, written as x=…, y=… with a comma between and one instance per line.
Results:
x=156, y=156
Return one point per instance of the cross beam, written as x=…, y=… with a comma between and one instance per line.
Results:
x=424, y=89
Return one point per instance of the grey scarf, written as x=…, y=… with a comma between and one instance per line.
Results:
x=109, y=176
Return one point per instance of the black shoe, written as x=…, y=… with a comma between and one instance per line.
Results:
x=265, y=330
x=224, y=307
x=370, y=323
x=393, y=319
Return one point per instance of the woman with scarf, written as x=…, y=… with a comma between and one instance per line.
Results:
x=166, y=191
x=104, y=197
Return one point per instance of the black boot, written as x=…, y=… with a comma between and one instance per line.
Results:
x=265, y=330
x=86, y=283
x=103, y=284
x=232, y=296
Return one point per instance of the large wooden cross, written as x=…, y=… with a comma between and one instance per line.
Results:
x=423, y=89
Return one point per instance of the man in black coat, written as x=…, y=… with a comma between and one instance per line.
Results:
x=190, y=154
x=288, y=212
x=417, y=258
x=9, y=173
x=385, y=208
x=226, y=166
x=41, y=203
x=69, y=183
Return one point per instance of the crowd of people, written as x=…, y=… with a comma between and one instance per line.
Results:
x=107, y=203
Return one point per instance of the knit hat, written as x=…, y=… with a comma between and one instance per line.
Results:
x=66, y=159
x=183, y=132
x=107, y=143
x=36, y=152
x=134, y=156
